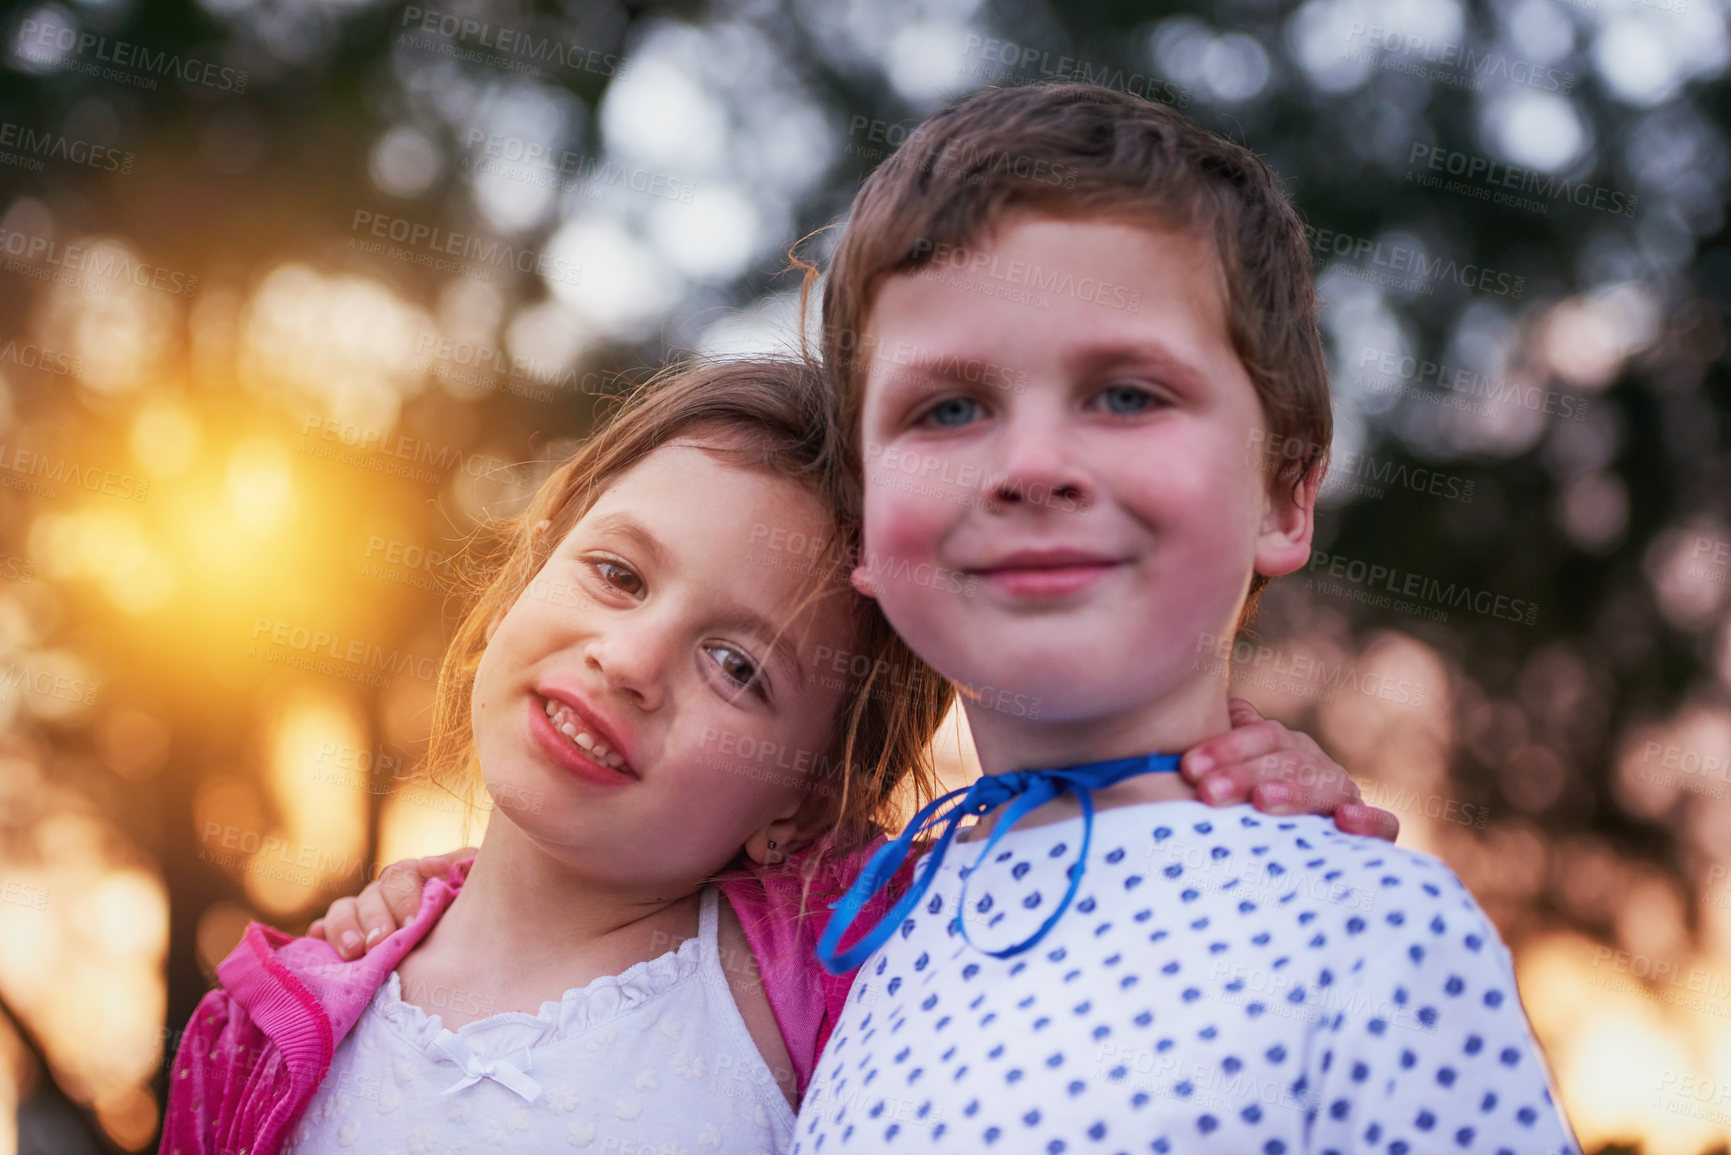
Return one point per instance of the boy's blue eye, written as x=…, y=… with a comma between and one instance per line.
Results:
x=953, y=411
x=1126, y=399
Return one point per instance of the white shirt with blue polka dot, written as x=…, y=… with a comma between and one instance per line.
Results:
x=1224, y=981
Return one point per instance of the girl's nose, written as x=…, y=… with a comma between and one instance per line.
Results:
x=630, y=663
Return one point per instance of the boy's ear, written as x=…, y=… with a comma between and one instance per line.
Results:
x=861, y=580
x=1288, y=524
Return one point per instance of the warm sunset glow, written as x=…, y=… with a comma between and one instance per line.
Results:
x=318, y=842
x=165, y=439
x=110, y=547
x=261, y=495
x=422, y=819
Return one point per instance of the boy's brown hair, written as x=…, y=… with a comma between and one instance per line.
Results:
x=771, y=415
x=1083, y=151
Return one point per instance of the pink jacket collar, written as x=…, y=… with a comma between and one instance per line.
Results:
x=304, y=998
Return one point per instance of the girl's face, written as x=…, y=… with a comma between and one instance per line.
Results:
x=647, y=706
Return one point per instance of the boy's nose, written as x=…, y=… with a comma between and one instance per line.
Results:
x=1013, y=491
x=1035, y=470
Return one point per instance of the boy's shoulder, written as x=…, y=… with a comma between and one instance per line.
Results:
x=1369, y=887
x=1242, y=829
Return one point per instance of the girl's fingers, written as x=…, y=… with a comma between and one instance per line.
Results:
x=1359, y=818
x=1282, y=798
x=1241, y=712
x=1227, y=786
x=1282, y=771
x=1315, y=786
x=317, y=929
x=1283, y=782
x=1251, y=740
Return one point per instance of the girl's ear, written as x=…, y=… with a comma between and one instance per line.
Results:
x=771, y=845
x=797, y=829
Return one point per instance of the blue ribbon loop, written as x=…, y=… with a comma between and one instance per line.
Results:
x=1023, y=790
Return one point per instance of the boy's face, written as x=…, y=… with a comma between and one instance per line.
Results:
x=1062, y=491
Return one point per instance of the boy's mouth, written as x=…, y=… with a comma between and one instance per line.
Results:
x=583, y=738
x=1045, y=573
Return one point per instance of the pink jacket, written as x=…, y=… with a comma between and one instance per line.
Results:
x=261, y=1042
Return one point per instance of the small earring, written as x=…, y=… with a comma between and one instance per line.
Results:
x=772, y=844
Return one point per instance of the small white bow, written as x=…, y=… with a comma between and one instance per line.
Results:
x=500, y=1070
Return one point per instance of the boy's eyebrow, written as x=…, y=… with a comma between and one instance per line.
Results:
x=1088, y=359
x=627, y=526
x=1109, y=354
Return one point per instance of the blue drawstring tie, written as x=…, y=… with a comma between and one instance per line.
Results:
x=1023, y=790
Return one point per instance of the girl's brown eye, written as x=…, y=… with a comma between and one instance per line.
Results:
x=618, y=576
x=738, y=667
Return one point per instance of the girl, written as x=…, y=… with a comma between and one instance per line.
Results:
x=634, y=649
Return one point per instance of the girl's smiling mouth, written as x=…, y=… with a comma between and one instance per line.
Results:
x=576, y=745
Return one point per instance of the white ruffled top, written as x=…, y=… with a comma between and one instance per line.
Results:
x=657, y=1058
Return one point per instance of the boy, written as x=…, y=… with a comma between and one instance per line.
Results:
x=1217, y=980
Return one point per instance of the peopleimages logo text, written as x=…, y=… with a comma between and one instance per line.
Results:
x=510, y=42
x=1525, y=181
x=464, y=246
x=56, y=146
x=37, y=37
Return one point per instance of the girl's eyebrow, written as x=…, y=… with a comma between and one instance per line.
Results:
x=744, y=617
x=625, y=525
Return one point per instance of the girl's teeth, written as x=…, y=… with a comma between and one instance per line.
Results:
x=565, y=722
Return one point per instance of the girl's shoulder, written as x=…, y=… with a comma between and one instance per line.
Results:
x=782, y=912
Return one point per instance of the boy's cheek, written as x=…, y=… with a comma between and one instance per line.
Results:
x=901, y=531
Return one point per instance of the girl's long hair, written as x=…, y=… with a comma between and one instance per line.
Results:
x=772, y=415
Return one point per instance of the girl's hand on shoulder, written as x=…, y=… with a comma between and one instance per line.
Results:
x=353, y=925
x=1281, y=771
